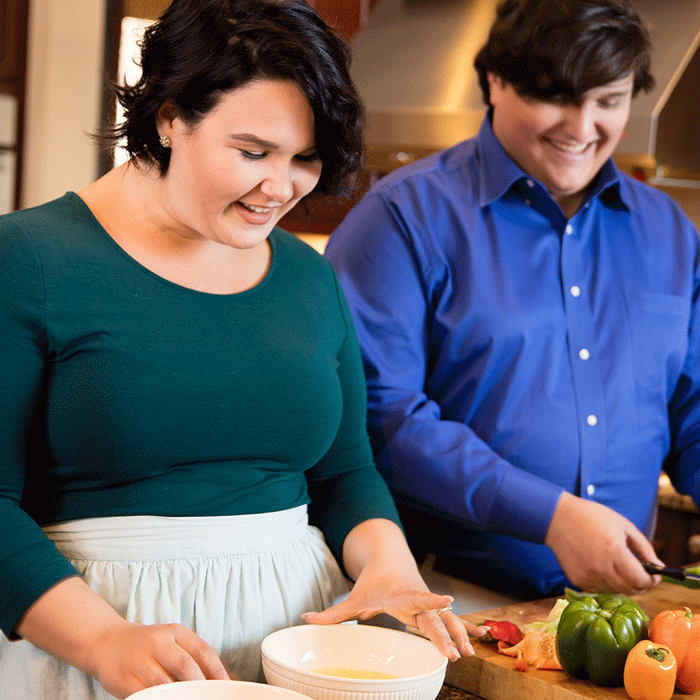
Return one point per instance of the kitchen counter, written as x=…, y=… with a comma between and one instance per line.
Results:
x=493, y=676
x=449, y=692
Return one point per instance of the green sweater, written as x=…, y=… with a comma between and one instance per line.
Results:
x=124, y=394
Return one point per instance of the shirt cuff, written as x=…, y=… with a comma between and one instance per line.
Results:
x=524, y=506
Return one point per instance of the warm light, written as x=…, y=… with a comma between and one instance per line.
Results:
x=128, y=70
x=460, y=68
x=315, y=240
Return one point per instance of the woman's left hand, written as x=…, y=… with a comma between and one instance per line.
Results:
x=417, y=608
x=389, y=582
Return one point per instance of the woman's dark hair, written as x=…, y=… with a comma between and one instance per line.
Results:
x=563, y=48
x=200, y=49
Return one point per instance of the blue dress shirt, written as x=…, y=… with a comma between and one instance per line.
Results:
x=512, y=354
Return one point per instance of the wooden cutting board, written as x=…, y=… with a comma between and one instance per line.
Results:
x=492, y=676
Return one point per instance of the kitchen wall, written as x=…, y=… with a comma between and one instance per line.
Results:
x=64, y=83
x=688, y=198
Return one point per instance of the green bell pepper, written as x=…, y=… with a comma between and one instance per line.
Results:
x=596, y=633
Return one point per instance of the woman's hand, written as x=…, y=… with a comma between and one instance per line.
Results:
x=73, y=623
x=375, y=553
x=419, y=608
x=128, y=657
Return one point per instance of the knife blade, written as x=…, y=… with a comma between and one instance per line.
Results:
x=677, y=573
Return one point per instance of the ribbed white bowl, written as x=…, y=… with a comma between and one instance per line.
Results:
x=291, y=656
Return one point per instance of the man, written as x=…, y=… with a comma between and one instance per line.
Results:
x=529, y=319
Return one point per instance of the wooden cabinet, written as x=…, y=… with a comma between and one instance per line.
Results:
x=324, y=214
x=13, y=44
x=13, y=39
x=346, y=15
x=677, y=537
x=14, y=28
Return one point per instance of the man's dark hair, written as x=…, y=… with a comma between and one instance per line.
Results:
x=200, y=49
x=563, y=48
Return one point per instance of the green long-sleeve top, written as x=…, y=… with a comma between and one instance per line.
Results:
x=124, y=394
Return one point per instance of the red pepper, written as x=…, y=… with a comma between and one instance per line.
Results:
x=679, y=630
x=504, y=631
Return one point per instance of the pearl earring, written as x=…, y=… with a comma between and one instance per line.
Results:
x=165, y=141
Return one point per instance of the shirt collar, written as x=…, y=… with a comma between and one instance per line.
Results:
x=497, y=170
x=498, y=173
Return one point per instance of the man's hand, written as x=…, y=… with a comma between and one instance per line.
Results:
x=599, y=549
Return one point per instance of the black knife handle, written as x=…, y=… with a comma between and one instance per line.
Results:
x=669, y=571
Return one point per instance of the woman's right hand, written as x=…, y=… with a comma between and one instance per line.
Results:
x=73, y=623
x=128, y=657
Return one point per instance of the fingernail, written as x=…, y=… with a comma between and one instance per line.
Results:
x=455, y=654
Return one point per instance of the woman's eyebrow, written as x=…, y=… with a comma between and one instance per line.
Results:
x=252, y=138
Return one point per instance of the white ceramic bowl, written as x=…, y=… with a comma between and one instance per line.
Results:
x=291, y=656
x=215, y=690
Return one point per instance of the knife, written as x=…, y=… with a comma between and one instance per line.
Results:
x=671, y=572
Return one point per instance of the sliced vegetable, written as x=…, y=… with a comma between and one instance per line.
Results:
x=679, y=630
x=538, y=645
x=689, y=582
x=650, y=672
x=595, y=635
x=570, y=594
x=502, y=631
x=536, y=649
x=551, y=622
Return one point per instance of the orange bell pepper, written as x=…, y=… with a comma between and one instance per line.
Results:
x=679, y=630
x=650, y=672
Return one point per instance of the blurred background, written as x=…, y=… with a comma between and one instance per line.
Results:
x=413, y=66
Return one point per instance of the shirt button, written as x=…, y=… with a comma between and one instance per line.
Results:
x=584, y=354
x=590, y=489
x=575, y=291
x=592, y=420
x=569, y=229
x=530, y=184
x=587, y=204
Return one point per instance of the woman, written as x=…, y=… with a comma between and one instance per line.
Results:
x=181, y=380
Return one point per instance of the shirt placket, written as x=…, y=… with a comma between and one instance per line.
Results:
x=576, y=273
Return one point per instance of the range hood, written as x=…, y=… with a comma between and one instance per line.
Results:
x=413, y=65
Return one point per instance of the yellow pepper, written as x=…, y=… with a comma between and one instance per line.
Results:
x=650, y=672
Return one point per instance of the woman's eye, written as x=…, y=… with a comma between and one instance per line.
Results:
x=251, y=155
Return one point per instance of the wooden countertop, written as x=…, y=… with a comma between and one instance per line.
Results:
x=493, y=676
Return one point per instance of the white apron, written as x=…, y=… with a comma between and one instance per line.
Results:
x=231, y=579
